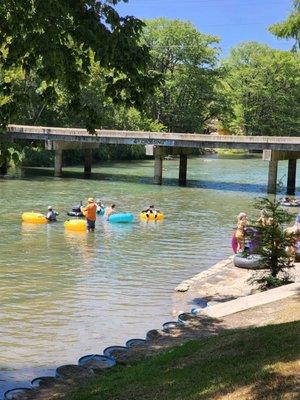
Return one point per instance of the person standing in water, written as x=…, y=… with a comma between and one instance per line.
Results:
x=90, y=214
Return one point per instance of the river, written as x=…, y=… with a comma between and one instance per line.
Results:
x=65, y=295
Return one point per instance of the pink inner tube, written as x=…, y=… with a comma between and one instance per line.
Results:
x=234, y=243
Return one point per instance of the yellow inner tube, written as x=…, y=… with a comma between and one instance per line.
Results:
x=75, y=225
x=151, y=217
x=34, y=218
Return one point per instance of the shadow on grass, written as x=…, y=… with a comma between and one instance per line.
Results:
x=240, y=364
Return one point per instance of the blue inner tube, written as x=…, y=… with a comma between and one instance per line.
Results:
x=121, y=218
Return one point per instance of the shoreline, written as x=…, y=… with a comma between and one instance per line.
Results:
x=222, y=283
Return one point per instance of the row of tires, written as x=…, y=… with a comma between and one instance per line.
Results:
x=88, y=364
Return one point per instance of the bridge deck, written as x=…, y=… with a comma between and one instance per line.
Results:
x=154, y=138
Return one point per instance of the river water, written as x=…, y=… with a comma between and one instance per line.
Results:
x=65, y=295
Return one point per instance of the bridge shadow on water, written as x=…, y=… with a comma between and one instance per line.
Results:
x=40, y=173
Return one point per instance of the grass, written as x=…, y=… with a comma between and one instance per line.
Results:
x=258, y=363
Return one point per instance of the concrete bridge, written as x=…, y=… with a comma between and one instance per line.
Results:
x=160, y=144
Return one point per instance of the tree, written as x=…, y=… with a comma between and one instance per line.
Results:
x=290, y=28
x=59, y=39
x=186, y=60
x=274, y=240
x=263, y=87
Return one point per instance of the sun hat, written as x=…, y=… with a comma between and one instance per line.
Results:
x=90, y=200
x=49, y=208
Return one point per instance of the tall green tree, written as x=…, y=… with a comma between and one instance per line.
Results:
x=58, y=39
x=274, y=242
x=52, y=45
x=290, y=28
x=264, y=90
x=186, y=60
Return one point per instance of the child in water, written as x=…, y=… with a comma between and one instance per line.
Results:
x=109, y=210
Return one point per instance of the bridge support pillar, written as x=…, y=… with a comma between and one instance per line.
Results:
x=158, y=165
x=291, y=178
x=182, y=169
x=58, y=163
x=272, y=178
x=87, y=163
x=4, y=168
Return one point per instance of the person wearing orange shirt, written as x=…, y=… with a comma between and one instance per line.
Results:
x=90, y=214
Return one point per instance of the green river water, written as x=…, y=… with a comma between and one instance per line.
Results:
x=65, y=295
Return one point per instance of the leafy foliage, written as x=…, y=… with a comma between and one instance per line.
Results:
x=274, y=240
x=290, y=28
x=58, y=41
x=186, y=59
x=64, y=62
x=263, y=87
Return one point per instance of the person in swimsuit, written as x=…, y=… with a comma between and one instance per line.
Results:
x=108, y=211
x=242, y=222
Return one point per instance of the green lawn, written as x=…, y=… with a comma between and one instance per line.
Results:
x=247, y=364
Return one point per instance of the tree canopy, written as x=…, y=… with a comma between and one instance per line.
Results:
x=263, y=87
x=58, y=41
x=290, y=28
x=186, y=60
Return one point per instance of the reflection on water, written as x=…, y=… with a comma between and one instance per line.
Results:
x=65, y=294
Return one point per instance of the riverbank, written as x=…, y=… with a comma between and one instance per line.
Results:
x=220, y=283
x=276, y=306
x=206, y=369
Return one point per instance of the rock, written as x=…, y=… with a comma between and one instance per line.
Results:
x=183, y=287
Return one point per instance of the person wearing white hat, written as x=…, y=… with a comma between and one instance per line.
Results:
x=51, y=214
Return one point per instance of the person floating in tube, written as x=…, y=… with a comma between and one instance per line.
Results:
x=151, y=210
x=51, y=214
x=90, y=212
